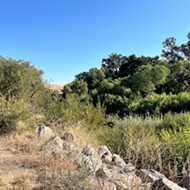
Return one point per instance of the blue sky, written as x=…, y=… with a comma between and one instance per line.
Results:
x=66, y=37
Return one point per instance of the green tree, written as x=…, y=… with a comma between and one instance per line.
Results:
x=131, y=63
x=179, y=78
x=93, y=77
x=112, y=64
x=148, y=77
x=173, y=52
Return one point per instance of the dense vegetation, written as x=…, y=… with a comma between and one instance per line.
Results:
x=138, y=106
x=139, y=85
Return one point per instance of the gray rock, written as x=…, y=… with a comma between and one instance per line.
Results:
x=128, y=168
x=88, y=151
x=118, y=161
x=149, y=175
x=89, y=159
x=110, y=175
x=44, y=131
x=126, y=181
x=53, y=146
x=68, y=137
x=165, y=184
x=103, y=173
x=145, y=186
x=185, y=182
x=105, y=154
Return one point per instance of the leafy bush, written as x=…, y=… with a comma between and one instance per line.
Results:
x=12, y=111
x=19, y=79
x=161, y=104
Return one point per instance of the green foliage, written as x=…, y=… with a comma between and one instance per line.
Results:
x=112, y=65
x=178, y=80
x=161, y=104
x=148, y=77
x=93, y=77
x=160, y=143
x=135, y=139
x=175, y=122
x=74, y=110
x=20, y=80
x=177, y=145
x=12, y=111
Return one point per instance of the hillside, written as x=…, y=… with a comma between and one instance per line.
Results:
x=56, y=87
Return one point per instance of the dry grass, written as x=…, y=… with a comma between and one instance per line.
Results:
x=24, y=167
x=83, y=136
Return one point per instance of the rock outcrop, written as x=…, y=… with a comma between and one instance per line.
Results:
x=109, y=170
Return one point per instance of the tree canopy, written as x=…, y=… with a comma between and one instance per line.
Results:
x=123, y=81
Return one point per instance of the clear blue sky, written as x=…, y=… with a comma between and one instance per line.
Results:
x=66, y=37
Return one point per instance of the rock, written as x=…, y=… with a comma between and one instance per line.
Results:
x=127, y=181
x=118, y=161
x=185, y=182
x=44, y=131
x=165, y=184
x=88, y=151
x=145, y=186
x=105, y=154
x=110, y=175
x=109, y=170
x=103, y=173
x=128, y=168
x=53, y=146
x=68, y=137
x=89, y=159
x=149, y=175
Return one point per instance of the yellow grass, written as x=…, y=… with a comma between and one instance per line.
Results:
x=24, y=167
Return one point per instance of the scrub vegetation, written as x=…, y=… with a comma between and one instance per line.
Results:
x=138, y=106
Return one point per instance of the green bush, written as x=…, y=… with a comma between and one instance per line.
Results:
x=175, y=122
x=12, y=111
x=19, y=79
x=161, y=104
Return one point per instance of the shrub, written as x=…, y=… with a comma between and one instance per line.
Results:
x=160, y=143
x=12, y=111
x=175, y=122
x=135, y=139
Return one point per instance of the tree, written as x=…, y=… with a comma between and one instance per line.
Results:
x=131, y=63
x=93, y=77
x=173, y=52
x=112, y=64
x=179, y=78
x=148, y=77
